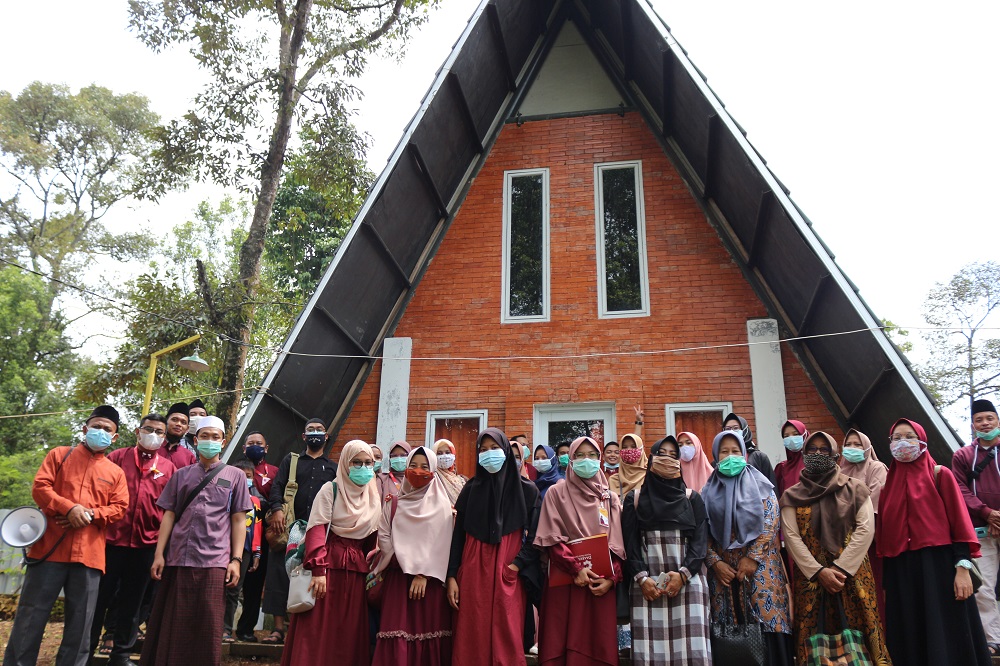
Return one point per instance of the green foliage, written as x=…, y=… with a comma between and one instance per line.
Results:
x=67, y=159
x=187, y=288
x=38, y=366
x=17, y=472
x=965, y=362
x=899, y=336
x=322, y=190
x=262, y=57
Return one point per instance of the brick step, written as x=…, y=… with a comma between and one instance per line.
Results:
x=260, y=651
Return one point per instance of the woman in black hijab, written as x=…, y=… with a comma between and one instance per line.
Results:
x=666, y=536
x=755, y=457
x=492, y=564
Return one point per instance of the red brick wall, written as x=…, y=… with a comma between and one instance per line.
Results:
x=698, y=297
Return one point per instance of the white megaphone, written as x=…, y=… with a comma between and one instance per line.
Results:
x=22, y=527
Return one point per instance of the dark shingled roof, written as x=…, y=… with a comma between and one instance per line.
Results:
x=863, y=378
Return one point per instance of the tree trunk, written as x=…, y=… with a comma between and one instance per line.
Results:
x=235, y=355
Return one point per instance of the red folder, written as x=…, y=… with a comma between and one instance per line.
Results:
x=592, y=552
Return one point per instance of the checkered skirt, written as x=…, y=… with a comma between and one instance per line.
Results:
x=669, y=630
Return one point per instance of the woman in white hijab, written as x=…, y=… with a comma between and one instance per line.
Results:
x=414, y=538
x=341, y=530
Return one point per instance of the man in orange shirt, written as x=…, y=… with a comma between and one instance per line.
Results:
x=81, y=492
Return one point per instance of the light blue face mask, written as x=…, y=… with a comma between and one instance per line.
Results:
x=793, y=443
x=97, y=439
x=542, y=465
x=853, y=455
x=610, y=466
x=208, y=449
x=361, y=475
x=988, y=436
x=398, y=464
x=586, y=468
x=492, y=460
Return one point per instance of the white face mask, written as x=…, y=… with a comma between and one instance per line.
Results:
x=150, y=441
x=446, y=460
x=687, y=452
x=193, y=424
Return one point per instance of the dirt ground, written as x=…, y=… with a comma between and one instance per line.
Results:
x=53, y=634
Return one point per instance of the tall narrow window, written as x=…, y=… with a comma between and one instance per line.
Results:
x=623, y=287
x=526, y=246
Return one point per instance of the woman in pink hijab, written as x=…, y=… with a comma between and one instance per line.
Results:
x=414, y=537
x=695, y=468
x=577, y=622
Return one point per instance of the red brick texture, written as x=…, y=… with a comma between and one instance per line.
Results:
x=698, y=297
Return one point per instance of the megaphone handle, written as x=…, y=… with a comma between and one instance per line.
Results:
x=28, y=561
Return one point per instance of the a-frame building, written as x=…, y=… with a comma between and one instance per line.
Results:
x=572, y=224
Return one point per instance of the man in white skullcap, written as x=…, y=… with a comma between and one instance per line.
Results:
x=198, y=554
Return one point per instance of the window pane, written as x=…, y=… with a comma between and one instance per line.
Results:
x=526, y=276
x=567, y=431
x=622, y=277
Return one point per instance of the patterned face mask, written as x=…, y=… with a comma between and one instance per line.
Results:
x=818, y=463
x=631, y=456
x=905, y=450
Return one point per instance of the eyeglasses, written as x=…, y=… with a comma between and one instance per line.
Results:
x=357, y=464
x=150, y=431
x=734, y=429
x=312, y=430
x=826, y=450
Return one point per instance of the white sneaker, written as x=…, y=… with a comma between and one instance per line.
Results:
x=534, y=649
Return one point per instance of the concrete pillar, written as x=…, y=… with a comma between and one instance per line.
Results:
x=769, y=407
x=394, y=392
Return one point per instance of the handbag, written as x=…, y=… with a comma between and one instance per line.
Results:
x=373, y=581
x=278, y=539
x=844, y=649
x=300, y=598
x=742, y=642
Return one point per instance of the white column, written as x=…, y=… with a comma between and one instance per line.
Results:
x=768, y=387
x=394, y=392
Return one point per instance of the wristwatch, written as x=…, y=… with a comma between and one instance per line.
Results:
x=965, y=564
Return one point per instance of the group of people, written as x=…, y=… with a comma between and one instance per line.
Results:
x=577, y=552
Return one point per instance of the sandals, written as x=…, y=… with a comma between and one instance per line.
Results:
x=228, y=638
x=249, y=638
x=994, y=649
x=276, y=637
x=107, y=644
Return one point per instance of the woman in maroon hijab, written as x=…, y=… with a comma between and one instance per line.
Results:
x=926, y=538
x=577, y=621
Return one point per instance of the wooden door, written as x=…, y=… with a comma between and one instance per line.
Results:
x=463, y=433
x=706, y=425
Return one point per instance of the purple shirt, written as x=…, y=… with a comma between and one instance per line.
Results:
x=202, y=536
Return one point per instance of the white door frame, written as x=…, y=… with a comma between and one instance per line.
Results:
x=573, y=411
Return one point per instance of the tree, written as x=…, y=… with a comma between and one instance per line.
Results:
x=964, y=363
x=265, y=58
x=69, y=158
x=187, y=289
x=38, y=367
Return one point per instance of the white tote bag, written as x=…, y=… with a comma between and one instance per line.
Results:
x=300, y=599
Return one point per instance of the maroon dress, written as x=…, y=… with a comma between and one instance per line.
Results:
x=335, y=631
x=412, y=632
x=489, y=627
x=575, y=627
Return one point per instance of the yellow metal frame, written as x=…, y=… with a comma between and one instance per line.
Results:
x=151, y=374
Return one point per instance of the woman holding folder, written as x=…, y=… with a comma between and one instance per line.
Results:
x=580, y=530
x=666, y=535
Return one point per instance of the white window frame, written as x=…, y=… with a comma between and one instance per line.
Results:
x=640, y=214
x=573, y=411
x=505, y=317
x=481, y=414
x=680, y=407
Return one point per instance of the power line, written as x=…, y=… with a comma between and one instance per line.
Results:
x=131, y=404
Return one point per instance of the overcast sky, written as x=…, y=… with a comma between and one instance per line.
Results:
x=879, y=117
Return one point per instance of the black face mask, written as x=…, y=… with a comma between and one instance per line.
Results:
x=315, y=440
